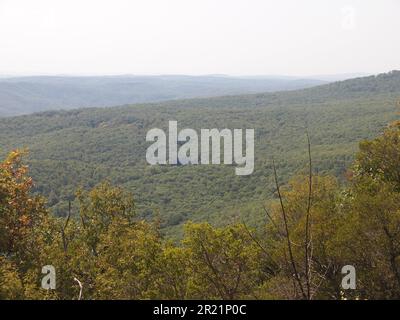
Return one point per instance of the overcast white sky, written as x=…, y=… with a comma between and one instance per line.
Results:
x=236, y=37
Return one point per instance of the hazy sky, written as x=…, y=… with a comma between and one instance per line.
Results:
x=237, y=37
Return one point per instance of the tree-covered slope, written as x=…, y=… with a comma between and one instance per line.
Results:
x=24, y=95
x=81, y=147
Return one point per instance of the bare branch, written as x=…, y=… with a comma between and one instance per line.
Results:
x=65, y=243
x=273, y=222
x=307, y=231
x=258, y=243
x=293, y=263
x=80, y=288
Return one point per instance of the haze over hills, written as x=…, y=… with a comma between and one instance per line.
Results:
x=82, y=147
x=24, y=95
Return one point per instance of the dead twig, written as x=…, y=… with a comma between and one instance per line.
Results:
x=307, y=242
x=63, y=228
x=292, y=261
x=80, y=288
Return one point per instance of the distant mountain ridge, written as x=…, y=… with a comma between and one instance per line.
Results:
x=25, y=95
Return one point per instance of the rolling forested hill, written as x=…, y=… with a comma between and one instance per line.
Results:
x=81, y=147
x=24, y=95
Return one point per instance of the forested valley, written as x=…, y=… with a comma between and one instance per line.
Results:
x=83, y=147
x=77, y=194
x=312, y=229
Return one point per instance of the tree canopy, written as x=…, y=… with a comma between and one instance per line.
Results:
x=314, y=226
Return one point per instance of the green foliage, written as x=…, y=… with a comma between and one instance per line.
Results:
x=324, y=267
x=224, y=262
x=81, y=148
x=379, y=158
x=311, y=228
x=101, y=207
x=10, y=282
x=115, y=254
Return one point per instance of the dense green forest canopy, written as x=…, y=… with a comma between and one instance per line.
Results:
x=313, y=236
x=82, y=147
